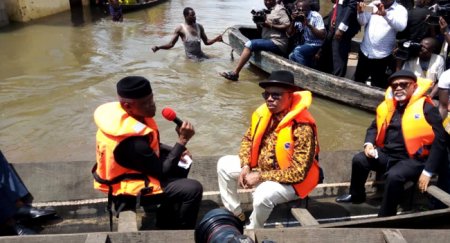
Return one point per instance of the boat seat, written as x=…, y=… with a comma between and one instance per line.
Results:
x=125, y=210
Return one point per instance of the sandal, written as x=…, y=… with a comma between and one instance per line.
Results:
x=230, y=75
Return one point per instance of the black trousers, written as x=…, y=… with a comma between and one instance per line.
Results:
x=340, y=50
x=374, y=68
x=397, y=173
x=179, y=204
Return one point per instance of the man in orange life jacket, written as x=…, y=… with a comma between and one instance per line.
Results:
x=131, y=161
x=406, y=141
x=278, y=154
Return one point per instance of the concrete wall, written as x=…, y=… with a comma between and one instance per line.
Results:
x=26, y=10
x=3, y=15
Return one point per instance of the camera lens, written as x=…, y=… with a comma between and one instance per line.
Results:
x=219, y=225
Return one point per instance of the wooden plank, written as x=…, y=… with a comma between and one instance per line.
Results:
x=439, y=194
x=393, y=236
x=411, y=220
x=303, y=216
x=127, y=221
x=96, y=238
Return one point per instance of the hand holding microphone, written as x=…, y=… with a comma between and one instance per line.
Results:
x=185, y=129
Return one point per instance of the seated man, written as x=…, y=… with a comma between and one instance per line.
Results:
x=427, y=64
x=132, y=164
x=310, y=25
x=273, y=37
x=278, y=155
x=406, y=141
x=15, y=203
x=192, y=34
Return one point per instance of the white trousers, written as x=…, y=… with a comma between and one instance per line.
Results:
x=265, y=197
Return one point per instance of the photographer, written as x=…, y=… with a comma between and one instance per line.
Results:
x=426, y=64
x=310, y=25
x=273, y=36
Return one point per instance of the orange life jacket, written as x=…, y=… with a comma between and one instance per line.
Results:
x=114, y=125
x=417, y=133
x=284, y=148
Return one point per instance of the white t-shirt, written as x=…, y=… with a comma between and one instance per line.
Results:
x=444, y=80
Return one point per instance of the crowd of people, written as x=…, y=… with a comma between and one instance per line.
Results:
x=279, y=152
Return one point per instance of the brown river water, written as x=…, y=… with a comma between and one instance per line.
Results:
x=57, y=70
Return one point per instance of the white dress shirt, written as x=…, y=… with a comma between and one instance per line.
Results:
x=379, y=37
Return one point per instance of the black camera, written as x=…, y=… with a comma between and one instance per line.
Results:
x=440, y=9
x=259, y=16
x=407, y=50
x=220, y=225
x=300, y=18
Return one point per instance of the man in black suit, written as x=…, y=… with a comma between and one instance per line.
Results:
x=406, y=141
x=342, y=27
x=15, y=203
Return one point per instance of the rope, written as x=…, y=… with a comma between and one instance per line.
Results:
x=228, y=44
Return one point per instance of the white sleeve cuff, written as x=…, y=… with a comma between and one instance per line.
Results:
x=365, y=144
x=424, y=172
x=343, y=27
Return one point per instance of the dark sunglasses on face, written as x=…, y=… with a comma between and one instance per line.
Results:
x=275, y=95
x=402, y=85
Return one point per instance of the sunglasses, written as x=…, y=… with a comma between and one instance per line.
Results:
x=402, y=85
x=275, y=95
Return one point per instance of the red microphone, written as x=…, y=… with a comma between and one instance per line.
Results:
x=170, y=115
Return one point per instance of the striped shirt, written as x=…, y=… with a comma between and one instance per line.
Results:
x=315, y=19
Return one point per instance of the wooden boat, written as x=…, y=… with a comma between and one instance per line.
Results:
x=67, y=186
x=133, y=5
x=343, y=90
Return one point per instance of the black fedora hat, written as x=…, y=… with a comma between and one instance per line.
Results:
x=280, y=78
x=402, y=74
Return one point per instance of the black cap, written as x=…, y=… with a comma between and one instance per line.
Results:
x=402, y=74
x=280, y=78
x=133, y=87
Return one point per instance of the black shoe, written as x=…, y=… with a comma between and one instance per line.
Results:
x=22, y=230
x=28, y=212
x=346, y=198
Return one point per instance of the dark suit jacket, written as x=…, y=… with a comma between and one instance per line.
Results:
x=346, y=13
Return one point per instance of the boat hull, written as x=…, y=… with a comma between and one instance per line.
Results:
x=339, y=89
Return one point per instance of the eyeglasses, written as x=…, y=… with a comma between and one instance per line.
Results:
x=402, y=85
x=275, y=95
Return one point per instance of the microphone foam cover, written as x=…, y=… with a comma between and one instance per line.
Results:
x=169, y=114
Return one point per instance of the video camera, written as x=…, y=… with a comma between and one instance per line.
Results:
x=300, y=17
x=407, y=50
x=259, y=16
x=440, y=9
x=220, y=225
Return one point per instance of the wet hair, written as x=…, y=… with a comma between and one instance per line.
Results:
x=186, y=11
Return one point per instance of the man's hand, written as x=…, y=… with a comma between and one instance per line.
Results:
x=155, y=48
x=219, y=38
x=338, y=34
x=369, y=150
x=244, y=172
x=360, y=7
x=443, y=25
x=380, y=10
x=253, y=179
x=424, y=180
x=186, y=152
x=185, y=132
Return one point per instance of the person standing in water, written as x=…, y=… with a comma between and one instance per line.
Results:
x=191, y=34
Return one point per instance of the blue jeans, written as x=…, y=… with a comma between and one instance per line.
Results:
x=304, y=54
x=263, y=45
